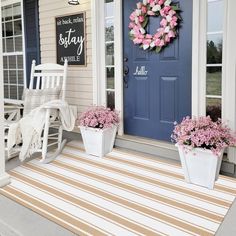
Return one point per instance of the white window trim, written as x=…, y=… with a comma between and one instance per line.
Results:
x=10, y=2
x=228, y=65
x=99, y=65
x=118, y=31
x=199, y=38
x=4, y=177
x=229, y=71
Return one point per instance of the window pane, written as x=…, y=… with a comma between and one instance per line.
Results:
x=7, y=12
x=13, y=92
x=16, y=11
x=110, y=54
x=20, y=77
x=20, y=62
x=215, y=15
x=213, y=81
x=214, y=49
x=4, y=45
x=12, y=76
x=5, y=76
x=111, y=100
x=3, y=30
x=109, y=8
x=9, y=29
x=10, y=47
x=213, y=108
x=5, y=63
x=12, y=62
x=20, y=92
x=18, y=44
x=6, y=91
x=110, y=78
x=109, y=31
x=17, y=27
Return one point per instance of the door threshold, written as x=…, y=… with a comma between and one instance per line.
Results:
x=147, y=145
x=147, y=141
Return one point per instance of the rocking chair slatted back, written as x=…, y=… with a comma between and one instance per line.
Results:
x=48, y=76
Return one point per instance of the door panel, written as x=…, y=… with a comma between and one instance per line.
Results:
x=158, y=86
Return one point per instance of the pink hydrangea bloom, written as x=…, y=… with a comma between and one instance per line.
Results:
x=141, y=19
x=163, y=22
x=99, y=117
x=144, y=9
x=204, y=133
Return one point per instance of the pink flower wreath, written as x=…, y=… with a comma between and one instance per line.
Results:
x=168, y=25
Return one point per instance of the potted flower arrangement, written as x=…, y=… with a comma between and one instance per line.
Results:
x=201, y=143
x=98, y=126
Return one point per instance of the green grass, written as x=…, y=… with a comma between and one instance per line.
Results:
x=214, y=83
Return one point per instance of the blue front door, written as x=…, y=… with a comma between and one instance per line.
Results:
x=157, y=87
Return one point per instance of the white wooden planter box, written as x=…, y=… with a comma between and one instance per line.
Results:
x=98, y=142
x=200, y=166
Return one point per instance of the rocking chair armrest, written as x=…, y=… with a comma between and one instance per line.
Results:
x=14, y=106
x=50, y=107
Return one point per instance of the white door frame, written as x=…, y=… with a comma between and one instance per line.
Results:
x=199, y=39
x=229, y=71
x=198, y=57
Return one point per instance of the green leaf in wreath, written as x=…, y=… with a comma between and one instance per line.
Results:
x=131, y=37
x=175, y=8
x=144, y=24
x=158, y=49
x=179, y=17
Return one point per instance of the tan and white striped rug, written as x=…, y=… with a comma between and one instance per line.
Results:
x=122, y=194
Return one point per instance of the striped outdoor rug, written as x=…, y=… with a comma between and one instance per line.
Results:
x=122, y=194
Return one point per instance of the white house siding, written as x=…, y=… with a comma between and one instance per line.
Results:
x=79, y=83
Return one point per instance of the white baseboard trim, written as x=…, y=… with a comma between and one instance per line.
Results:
x=4, y=180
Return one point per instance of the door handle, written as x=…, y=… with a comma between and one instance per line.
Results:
x=126, y=70
x=125, y=73
x=125, y=82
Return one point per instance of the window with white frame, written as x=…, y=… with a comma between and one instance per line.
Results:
x=13, y=56
x=215, y=11
x=109, y=47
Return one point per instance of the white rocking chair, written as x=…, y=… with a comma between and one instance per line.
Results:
x=48, y=76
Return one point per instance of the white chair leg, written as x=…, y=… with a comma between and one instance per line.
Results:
x=61, y=144
x=60, y=131
x=45, y=135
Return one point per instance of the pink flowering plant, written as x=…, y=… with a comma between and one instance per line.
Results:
x=99, y=117
x=168, y=24
x=202, y=132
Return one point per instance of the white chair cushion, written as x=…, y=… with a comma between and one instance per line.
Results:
x=34, y=98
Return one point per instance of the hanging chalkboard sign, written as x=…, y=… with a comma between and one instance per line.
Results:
x=70, y=39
